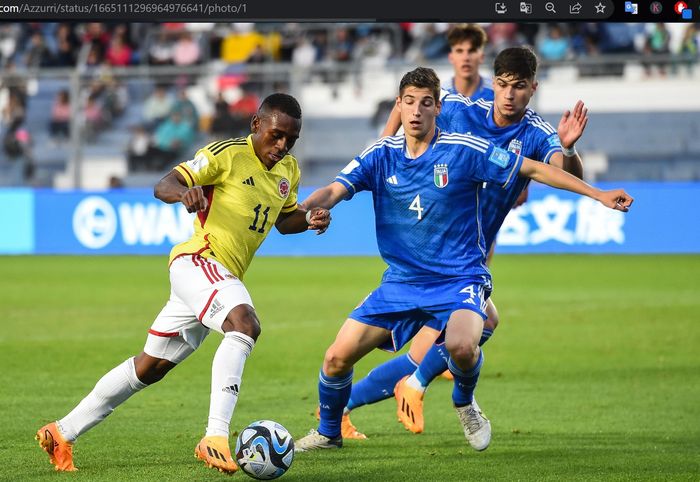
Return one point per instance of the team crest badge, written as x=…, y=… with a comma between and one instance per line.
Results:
x=283, y=187
x=515, y=146
x=440, y=175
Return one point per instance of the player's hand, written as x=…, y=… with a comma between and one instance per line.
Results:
x=320, y=220
x=572, y=125
x=616, y=199
x=195, y=200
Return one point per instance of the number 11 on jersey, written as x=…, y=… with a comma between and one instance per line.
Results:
x=415, y=206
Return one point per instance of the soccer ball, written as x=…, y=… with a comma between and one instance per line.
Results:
x=264, y=450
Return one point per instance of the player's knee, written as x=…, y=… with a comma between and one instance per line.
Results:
x=462, y=351
x=243, y=320
x=334, y=364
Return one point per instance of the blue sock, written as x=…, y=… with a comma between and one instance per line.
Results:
x=379, y=383
x=465, y=381
x=485, y=335
x=333, y=395
x=434, y=363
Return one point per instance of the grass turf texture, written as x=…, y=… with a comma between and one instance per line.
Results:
x=593, y=374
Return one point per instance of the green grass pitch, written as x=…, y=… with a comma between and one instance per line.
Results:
x=594, y=373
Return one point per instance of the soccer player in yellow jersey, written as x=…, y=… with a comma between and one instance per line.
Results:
x=239, y=189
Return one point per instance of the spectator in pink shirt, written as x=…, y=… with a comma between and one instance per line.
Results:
x=59, y=126
x=186, y=50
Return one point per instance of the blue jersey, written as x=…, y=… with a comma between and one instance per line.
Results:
x=427, y=212
x=452, y=105
x=483, y=91
x=531, y=137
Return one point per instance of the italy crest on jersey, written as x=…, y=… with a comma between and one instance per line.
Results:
x=440, y=175
x=515, y=146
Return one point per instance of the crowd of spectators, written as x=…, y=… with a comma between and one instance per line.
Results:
x=170, y=126
x=170, y=120
x=32, y=45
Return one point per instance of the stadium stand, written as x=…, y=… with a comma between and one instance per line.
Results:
x=635, y=78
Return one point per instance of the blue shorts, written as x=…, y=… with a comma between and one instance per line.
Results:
x=404, y=308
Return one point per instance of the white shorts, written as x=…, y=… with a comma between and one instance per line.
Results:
x=202, y=293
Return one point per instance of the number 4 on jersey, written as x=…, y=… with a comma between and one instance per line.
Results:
x=469, y=290
x=415, y=206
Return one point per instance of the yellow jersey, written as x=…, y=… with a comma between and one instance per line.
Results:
x=244, y=201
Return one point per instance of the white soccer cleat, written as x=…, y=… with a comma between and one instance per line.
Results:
x=477, y=428
x=315, y=440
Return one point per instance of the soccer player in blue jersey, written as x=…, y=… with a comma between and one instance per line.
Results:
x=511, y=125
x=467, y=42
x=426, y=185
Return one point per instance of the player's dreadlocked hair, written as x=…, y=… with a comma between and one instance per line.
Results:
x=424, y=78
x=283, y=103
x=518, y=62
x=467, y=31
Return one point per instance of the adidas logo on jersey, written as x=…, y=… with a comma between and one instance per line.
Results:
x=392, y=180
x=233, y=389
x=249, y=181
x=216, y=306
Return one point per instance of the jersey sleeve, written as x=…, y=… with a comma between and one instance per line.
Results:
x=206, y=168
x=495, y=165
x=358, y=175
x=547, y=145
x=292, y=199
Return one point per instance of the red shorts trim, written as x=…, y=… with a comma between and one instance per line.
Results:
x=165, y=335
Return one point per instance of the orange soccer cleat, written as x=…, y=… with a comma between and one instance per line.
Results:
x=216, y=453
x=447, y=375
x=409, y=407
x=59, y=449
x=347, y=429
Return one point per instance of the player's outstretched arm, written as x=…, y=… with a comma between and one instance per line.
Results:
x=317, y=219
x=614, y=199
x=393, y=123
x=172, y=188
x=326, y=197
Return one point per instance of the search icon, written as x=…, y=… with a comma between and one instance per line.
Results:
x=549, y=6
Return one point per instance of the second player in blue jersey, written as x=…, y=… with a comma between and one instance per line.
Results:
x=426, y=186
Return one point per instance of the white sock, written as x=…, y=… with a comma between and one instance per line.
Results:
x=413, y=382
x=111, y=390
x=226, y=372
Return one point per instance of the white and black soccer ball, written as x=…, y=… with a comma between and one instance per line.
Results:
x=264, y=450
